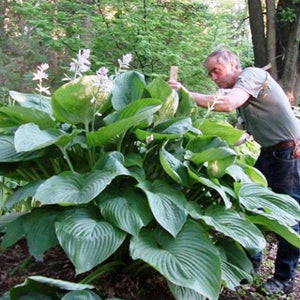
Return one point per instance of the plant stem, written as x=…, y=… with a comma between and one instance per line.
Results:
x=100, y=271
x=66, y=157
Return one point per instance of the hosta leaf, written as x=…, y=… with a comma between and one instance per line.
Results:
x=87, y=240
x=73, y=188
x=223, y=130
x=39, y=229
x=209, y=183
x=246, y=174
x=212, y=154
x=183, y=293
x=173, y=167
x=144, y=135
x=285, y=232
x=167, y=205
x=14, y=232
x=127, y=209
x=36, y=101
x=29, y=137
x=159, y=89
x=71, y=103
x=128, y=87
x=179, y=125
x=43, y=288
x=187, y=260
x=11, y=116
x=112, y=132
x=23, y=192
x=187, y=105
x=168, y=109
x=262, y=201
x=81, y=295
x=231, y=224
x=217, y=168
x=8, y=151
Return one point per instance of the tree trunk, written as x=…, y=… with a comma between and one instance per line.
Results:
x=271, y=36
x=258, y=32
x=288, y=47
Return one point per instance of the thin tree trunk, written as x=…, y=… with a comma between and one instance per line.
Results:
x=258, y=32
x=271, y=36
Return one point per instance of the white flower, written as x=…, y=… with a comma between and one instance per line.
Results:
x=102, y=80
x=81, y=64
x=124, y=63
x=40, y=73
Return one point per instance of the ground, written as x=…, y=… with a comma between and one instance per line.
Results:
x=16, y=265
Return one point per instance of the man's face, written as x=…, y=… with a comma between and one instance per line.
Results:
x=224, y=75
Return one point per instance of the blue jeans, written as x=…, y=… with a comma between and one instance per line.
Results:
x=282, y=172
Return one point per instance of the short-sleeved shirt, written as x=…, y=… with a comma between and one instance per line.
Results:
x=267, y=114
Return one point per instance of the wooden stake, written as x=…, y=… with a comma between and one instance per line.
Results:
x=174, y=73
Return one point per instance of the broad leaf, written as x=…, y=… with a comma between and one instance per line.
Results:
x=186, y=260
x=167, y=205
x=209, y=183
x=36, y=101
x=112, y=132
x=72, y=103
x=231, y=224
x=212, y=154
x=128, y=209
x=173, y=167
x=183, y=293
x=23, y=192
x=29, y=137
x=11, y=116
x=81, y=295
x=8, y=151
x=39, y=229
x=217, y=168
x=262, y=201
x=128, y=87
x=285, y=232
x=73, y=188
x=87, y=240
x=223, y=130
x=159, y=89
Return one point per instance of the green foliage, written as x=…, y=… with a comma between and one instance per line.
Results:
x=144, y=177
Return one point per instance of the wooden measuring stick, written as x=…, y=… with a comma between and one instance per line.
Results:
x=174, y=73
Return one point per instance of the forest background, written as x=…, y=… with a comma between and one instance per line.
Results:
x=158, y=33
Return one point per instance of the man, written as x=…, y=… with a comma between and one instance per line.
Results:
x=268, y=116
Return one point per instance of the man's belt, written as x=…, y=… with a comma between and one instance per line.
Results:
x=282, y=145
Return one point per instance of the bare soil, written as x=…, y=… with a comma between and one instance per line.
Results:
x=16, y=265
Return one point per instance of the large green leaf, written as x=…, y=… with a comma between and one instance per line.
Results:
x=183, y=293
x=217, y=168
x=126, y=209
x=87, y=240
x=39, y=230
x=43, y=288
x=36, y=101
x=223, y=130
x=233, y=225
x=246, y=174
x=173, y=166
x=8, y=151
x=159, y=89
x=168, y=109
x=285, y=232
x=212, y=154
x=23, y=192
x=29, y=137
x=128, y=87
x=11, y=116
x=262, y=201
x=81, y=295
x=211, y=184
x=189, y=260
x=73, y=188
x=72, y=103
x=113, y=131
x=167, y=205
x=231, y=274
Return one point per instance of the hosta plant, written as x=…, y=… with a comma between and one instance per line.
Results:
x=127, y=175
